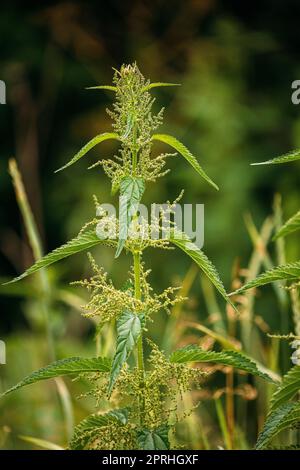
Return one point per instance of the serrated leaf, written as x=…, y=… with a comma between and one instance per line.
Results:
x=131, y=192
x=182, y=241
x=129, y=328
x=177, y=145
x=284, y=417
x=290, y=226
x=82, y=242
x=284, y=272
x=287, y=157
x=102, y=87
x=92, y=143
x=288, y=388
x=232, y=358
x=72, y=365
x=155, y=439
x=89, y=427
x=158, y=84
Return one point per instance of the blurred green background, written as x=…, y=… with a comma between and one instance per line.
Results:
x=236, y=66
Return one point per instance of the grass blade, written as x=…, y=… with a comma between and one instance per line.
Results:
x=41, y=443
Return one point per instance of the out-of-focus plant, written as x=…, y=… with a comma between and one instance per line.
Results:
x=285, y=411
x=140, y=401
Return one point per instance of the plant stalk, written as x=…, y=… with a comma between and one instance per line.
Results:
x=134, y=151
x=230, y=407
x=36, y=246
x=140, y=351
x=223, y=423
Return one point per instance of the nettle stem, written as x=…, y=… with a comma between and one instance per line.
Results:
x=140, y=351
x=137, y=286
x=134, y=151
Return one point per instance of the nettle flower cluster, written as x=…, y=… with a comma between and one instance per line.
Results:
x=164, y=384
x=134, y=123
x=107, y=302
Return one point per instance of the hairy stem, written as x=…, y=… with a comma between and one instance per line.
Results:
x=134, y=151
x=140, y=352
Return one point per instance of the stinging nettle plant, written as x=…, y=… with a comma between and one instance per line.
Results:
x=143, y=396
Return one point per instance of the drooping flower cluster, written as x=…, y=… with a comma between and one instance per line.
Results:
x=107, y=302
x=163, y=390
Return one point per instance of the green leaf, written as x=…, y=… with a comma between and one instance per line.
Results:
x=158, y=84
x=82, y=242
x=288, y=157
x=193, y=353
x=41, y=443
x=182, y=241
x=88, y=428
x=288, y=388
x=290, y=226
x=284, y=417
x=102, y=87
x=96, y=140
x=129, y=328
x=72, y=365
x=131, y=192
x=156, y=439
x=177, y=145
x=284, y=272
